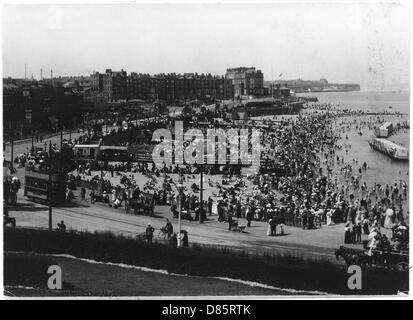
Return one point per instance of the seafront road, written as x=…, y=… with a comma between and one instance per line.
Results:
x=318, y=243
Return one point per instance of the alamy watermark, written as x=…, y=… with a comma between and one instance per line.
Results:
x=354, y=281
x=219, y=146
x=55, y=280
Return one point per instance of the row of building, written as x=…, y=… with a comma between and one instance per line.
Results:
x=43, y=104
x=118, y=85
x=38, y=105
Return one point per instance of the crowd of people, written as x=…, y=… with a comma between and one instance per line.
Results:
x=306, y=177
x=303, y=180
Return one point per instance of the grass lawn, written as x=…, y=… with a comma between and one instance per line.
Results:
x=91, y=279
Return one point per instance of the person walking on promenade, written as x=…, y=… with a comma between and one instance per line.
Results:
x=304, y=218
x=269, y=228
x=347, y=233
x=273, y=225
x=149, y=233
x=173, y=241
x=230, y=221
x=169, y=228
x=185, y=239
x=250, y=215
x=358, y=230
x=83, y=193
x=61, y=226
x=210, y=205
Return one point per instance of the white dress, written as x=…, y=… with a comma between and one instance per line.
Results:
x=388, y=219
x=329, y=221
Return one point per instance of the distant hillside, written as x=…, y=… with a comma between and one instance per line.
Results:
x=321, y=85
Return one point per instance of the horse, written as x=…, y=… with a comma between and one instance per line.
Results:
x=352, y=256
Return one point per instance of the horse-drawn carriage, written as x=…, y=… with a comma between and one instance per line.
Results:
x=389, y=257
x=380, y=251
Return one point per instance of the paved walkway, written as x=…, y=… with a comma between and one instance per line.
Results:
x=99, y=217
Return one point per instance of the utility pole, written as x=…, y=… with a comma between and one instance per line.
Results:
x=201, y=198
x=180, y=190
x=12, y=150
x=50, y=193
x=32, y=140
x=61, y=137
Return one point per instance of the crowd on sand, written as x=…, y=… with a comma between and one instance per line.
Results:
x=306, y=179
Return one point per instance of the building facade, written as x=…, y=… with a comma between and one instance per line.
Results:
x=114, y=85
x=246, y=81
x=170, y=87
x=38, y=105
x=96, y=82
x=13, y=110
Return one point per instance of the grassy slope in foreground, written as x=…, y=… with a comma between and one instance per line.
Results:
x=276, y=270
x=25, y=276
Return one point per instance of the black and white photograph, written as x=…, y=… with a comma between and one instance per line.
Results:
x=206, y=150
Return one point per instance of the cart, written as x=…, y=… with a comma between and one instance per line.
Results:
x=397, y=260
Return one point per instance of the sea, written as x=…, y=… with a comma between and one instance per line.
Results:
x=382, y=169
x=374, y=101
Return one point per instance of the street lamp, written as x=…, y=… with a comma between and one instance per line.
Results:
x=180, y=187
x=50, y=186
x=201, y=199
x=32, y=150
x=12, y=151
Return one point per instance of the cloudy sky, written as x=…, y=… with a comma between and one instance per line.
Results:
x=364, y=43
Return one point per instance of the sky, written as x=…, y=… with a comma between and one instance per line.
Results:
x=359, y=43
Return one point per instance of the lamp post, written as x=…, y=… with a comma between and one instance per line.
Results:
x=61, y=137
x=180, y=187
x=201, y=184
x=32, y=150
x=50, y=186
x=201, y=198
x=12, y=151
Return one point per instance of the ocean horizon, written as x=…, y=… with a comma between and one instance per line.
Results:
x=375, y=101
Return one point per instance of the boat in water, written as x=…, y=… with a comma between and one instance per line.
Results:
x=389, y=148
